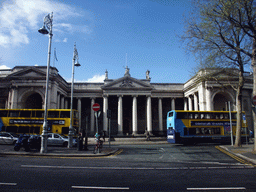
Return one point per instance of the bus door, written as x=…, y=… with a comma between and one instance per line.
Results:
x=1, y=124
x=49, y=128
x=170, y=135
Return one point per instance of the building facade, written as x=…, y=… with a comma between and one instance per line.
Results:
x=136, y=105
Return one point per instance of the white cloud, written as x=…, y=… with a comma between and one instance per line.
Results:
x=97, y=78
x=19, y=17
x=4, y=67
x=65, y=40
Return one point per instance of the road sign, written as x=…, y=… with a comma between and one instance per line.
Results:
x=96, y=107
x=254, y=100
x=244, y=119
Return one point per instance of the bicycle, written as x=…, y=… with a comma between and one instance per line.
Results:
x=98, y=146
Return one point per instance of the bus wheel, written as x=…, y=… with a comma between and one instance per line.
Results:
x=27, y=149
x=65, y=144
x=16, y=148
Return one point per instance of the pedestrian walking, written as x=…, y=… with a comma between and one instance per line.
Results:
x=251, y=135
x=104, y=135
x=147, y=135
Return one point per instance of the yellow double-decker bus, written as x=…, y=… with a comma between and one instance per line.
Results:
x=30, y=121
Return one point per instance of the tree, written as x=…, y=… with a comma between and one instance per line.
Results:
x=218, y=31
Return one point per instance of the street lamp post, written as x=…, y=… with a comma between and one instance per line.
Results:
x=47, y=25
x=74, y=64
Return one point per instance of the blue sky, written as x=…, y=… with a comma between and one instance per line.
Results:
x=108, y=33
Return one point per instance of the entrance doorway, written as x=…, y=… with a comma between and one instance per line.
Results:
x=34, y=101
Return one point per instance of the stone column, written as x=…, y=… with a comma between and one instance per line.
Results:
x=190, y=106
x=134, y=116
x=92, y=116
x=120, y=115
x=160, y=115
x=53, y=99
x=149, y=115
x=79, y=108
x=62, y=102
x=49, y=98
x=105, y=109
x=185, y=104
x=14, y=98
x=9, y=102
x=66, y=103
x=201, y=97
x=208, y=99
x=58, y=101
x=196, y=102
x=173, y=103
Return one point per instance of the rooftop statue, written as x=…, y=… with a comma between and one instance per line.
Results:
x=127, y=71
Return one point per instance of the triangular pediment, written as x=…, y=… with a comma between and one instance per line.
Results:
x=127, y=82
x=28, y=72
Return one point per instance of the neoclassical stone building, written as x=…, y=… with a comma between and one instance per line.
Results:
x=135, y=104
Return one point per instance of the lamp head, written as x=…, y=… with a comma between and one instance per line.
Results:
x=77, y=64
x=43, y=30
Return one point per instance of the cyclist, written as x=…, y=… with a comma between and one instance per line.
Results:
x=99, y=142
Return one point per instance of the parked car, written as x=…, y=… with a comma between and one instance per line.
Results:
x=8, y=138
x=57, y=139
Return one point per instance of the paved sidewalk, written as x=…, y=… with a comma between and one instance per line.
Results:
x=53, y=151
x=245, y=152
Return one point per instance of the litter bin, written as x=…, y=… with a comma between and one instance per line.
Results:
x=80, y=144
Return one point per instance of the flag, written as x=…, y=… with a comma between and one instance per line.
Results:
x=55, y=56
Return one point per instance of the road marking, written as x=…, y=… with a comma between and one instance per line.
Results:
x=95, y=187
x=217, y=188
x=8, y=183
x=136, y=168
x=235, y=157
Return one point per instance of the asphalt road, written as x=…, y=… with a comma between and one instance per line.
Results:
x=135, y=168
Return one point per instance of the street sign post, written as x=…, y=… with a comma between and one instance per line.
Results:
x=244, y=120
x=96, y=108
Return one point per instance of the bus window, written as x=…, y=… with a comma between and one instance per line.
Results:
x=14, y=114
x=192, y=131
x=3, y=113
x=25, y=113
x=64, y=114
x=182, y=115
x=191, y=115
x=33, y=113
x=39, y=114
x=211, y=116
x=233, y=115
x=75, y=113
x=53, y=114
x=170, y=114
